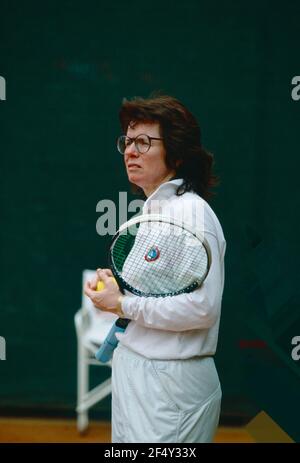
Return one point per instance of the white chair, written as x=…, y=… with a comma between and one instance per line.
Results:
x=92, y=327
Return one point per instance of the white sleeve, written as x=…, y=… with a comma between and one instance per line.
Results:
x=196, y=310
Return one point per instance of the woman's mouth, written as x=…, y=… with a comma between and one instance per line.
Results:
x=133, y=166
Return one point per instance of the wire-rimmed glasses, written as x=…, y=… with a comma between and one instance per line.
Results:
x=142, y=143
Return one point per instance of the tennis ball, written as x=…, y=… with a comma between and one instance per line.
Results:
x=101, y=285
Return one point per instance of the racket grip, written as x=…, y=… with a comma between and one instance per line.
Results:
x=104, y=354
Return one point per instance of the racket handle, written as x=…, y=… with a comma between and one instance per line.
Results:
x=104, y=354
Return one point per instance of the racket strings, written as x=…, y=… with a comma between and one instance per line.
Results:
x=160, y=258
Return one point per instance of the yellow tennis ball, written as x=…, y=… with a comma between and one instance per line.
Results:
x=101, y=285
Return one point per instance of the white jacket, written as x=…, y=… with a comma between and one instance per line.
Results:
x=186, y=325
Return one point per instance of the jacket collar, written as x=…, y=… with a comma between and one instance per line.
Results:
x=165, y=190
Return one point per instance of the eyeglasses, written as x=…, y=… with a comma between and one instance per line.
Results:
x=141, y=142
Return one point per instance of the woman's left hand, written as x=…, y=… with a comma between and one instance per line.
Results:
x=107, y=299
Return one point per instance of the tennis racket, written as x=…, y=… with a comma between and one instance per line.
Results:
x=155, y=256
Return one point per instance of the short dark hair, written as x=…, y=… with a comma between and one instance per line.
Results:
x=181, y=137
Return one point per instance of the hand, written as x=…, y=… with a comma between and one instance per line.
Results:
x=94, y=282
x=108, y=299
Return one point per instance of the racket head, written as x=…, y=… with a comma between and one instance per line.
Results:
x=156, y=256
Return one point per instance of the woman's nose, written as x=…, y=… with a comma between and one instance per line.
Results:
x=131, y=150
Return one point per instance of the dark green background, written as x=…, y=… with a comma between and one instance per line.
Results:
x=67, y=67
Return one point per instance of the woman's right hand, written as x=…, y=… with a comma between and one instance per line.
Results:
x=94, y=281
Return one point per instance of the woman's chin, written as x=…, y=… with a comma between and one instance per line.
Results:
x=134, y=178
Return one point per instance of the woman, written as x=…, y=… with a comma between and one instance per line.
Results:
x=165, y=387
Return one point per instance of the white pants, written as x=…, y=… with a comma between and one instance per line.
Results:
x=163, y=401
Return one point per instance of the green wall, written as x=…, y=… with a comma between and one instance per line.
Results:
x=67, y=67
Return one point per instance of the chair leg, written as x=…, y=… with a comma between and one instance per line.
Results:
x=82, y=422
x=82, y=386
